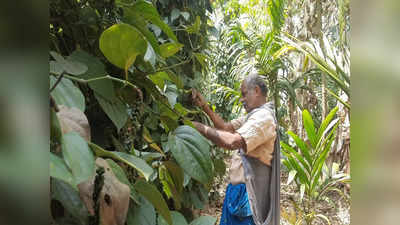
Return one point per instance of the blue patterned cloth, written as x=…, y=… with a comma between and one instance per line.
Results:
x=236, y=209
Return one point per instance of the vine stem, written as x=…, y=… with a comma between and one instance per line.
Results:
x=125, y=82
x=173, y=66
x=56, y=83
x=107, y=77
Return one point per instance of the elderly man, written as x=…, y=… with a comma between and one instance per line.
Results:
x=252, y=196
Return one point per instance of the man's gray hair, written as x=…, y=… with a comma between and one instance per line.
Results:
x=254, y=80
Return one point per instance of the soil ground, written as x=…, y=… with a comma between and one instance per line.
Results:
x=335, y=208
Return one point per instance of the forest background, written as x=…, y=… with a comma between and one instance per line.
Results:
x=120, y=79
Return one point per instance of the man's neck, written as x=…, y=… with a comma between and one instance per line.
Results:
x=261, y=103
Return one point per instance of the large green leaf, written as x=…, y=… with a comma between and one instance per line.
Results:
x=144, y=214
x=169, y=49
x=139, y=164
x=121, y=44
x=66, y=93
x=116, y=110
x=149, y=12
x=136, y=20
x=204, y=220
x=177, y=219
x=96, y=69
x=192, y=152
x=59, y=170
x=69, y=198
x=78, y=156
x=64, y=65
x=310, y=128
x=151, y=193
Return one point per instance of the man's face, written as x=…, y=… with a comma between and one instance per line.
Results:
x=249, y=97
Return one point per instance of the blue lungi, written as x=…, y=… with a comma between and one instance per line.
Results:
x=236, y=208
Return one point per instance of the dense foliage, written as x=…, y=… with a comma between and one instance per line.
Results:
x=127, y=67
x=120, y=78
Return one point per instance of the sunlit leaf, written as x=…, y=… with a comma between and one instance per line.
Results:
x=121, y=44
x=310, y=128
x=133, y=18
x=169, y=49
x=149, y=12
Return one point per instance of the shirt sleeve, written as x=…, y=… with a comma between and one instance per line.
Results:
x=258, y=129
x=237, y=123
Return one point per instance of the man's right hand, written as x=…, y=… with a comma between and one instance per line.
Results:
x=198, y=99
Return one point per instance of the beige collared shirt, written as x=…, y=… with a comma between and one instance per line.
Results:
x=258, y=130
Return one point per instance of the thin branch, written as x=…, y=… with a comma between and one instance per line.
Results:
x=108, y=77
x=173, y=66
x=125, y=82
x=56, y=83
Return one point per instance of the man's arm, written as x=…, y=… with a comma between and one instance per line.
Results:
x=219, y=123
x=223, y=139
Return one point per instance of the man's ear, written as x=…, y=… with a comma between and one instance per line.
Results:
x=257, y=90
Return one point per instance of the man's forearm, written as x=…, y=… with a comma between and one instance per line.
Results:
x=221, y=138
x=219, y=123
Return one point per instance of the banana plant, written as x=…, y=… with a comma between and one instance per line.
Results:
x=306, y=165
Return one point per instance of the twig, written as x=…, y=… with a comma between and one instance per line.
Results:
x=125, y=82
x=107, y=77
x=173, y=66
x=56, y=83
